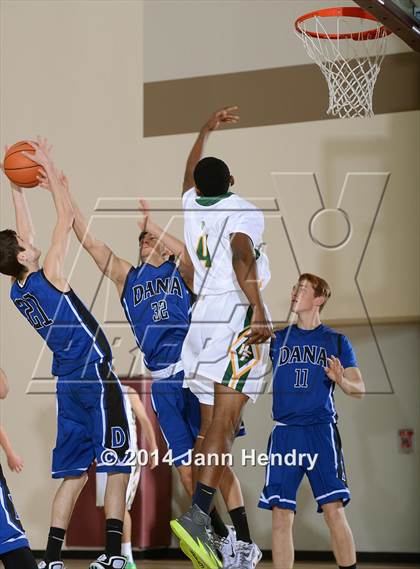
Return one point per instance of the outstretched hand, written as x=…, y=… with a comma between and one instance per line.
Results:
x=334, y=370
x=225, y=115
x=261, y=328
x=144, y=210
x=45, y=181
x=15, y=463
x=42, y=154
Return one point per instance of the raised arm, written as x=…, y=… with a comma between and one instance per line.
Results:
x=224, y=115
x=109, y=264
x=24, y=225
x=56, y=255
x=245, y=267
x=172, y=243
x=143, y=419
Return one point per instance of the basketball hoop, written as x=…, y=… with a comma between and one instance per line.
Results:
x=350, y=58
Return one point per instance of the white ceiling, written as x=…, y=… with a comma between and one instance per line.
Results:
x=190, y=38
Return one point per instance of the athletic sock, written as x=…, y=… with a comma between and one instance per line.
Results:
x=203, y=497
x=54, y=545
x=347, y=566
x=127, y=551
x=240, y=522
x=218, y=524
x=114, y=530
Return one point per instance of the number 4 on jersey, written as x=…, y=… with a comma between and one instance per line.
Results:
x=203, y=251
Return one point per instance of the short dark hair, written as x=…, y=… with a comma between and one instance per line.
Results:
x=9, y=250
x=212, y=176
x=320, y=286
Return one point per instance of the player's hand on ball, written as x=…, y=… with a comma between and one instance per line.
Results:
x=15, y=463
x=42, y=153
x=334, y=370
x=225, y=115
x=261, y=329
x=45, y=182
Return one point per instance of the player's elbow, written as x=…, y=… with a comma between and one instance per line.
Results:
x=242, y=257
x=4, y=385
x=4, y=391
x=360, y=390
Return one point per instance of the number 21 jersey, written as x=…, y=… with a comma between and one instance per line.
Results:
x=63, y=321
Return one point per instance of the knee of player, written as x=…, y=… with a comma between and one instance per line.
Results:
x=77, y=482
x=283, y=519
x=333, y=513
x=185, y=473
x=226, y=423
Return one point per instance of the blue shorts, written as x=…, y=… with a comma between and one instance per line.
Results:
x=285, y=470
x=178, y=413
x=91, y=423
x=12, y=534
x=179, y=416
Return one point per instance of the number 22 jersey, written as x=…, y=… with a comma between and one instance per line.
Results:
x=302, y=392
x=157, y=304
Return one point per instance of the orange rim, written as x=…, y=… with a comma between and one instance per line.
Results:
x=348, y=11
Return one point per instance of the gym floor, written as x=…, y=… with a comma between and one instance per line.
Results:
x=186, y=565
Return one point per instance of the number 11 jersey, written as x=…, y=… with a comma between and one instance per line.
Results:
x=303, y=394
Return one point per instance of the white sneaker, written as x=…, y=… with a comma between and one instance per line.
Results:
x=247, y=556
x=105, y=562
x=51, y=565
x=227, y=547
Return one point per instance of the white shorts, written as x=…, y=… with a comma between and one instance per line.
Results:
x=133, y=482
x=214, y=349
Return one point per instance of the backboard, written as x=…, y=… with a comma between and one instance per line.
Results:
x=400, y=16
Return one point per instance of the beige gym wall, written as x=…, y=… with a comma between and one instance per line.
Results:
x=73, y=71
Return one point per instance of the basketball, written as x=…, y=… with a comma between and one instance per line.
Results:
x=18, y=168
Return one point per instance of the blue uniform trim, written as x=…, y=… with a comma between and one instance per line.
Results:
x=302, y=392
x=326, y=474
x=89, y=413
x=100, y=343
x=63, y=321
x=178, y=413
x=127, y=278
x=12, y=534
x=157, y=305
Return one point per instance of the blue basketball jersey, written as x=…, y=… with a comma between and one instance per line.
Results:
x=157, y=304
x=63, y=321
x=302, y=392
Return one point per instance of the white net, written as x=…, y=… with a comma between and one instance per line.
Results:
x=350, y=65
